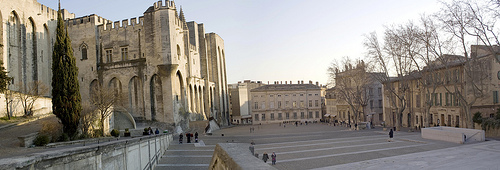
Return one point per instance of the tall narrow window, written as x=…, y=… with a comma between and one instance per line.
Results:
x=109, y=56
x=256, y=117
x=124, y=54
x=495, y=97
x=84, y=52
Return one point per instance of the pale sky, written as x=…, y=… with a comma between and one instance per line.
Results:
x=277, y=40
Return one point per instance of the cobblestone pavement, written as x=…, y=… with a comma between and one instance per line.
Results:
x=304, y=146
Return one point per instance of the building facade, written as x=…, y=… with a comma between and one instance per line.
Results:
x=240, y=99
x=440, y=94
x=355, y=91
x=168, y=69
x=286, y=102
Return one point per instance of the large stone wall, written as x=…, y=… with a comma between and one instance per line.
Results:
x=136, y=153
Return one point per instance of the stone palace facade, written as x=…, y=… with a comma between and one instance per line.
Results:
x=168, y=69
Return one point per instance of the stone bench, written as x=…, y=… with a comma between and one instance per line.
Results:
x=27, y=140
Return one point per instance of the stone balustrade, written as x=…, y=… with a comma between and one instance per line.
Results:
x=135, y=153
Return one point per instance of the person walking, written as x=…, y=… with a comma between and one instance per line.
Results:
x=273, y=158
x=188, y=137
x=391, y=134
x=180, y=138
x=196, y=137
x=265, y=157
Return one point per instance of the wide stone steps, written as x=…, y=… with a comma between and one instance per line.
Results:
x=186, y=156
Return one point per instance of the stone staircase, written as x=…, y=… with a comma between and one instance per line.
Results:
x=186, y=156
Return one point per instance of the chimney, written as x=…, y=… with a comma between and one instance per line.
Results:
x=310, y=82
x=290, y=81
x=301, y=81
x=286, y=82
x=267, y=82
x=317, y=83
x=281, y=82
x=298, y=81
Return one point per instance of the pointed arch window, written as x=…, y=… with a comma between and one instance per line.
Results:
x=83, y=49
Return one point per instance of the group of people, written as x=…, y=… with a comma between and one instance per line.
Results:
x=188, y=137
x=265, y=157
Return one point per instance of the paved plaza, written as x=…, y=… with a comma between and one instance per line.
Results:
x=320, y=146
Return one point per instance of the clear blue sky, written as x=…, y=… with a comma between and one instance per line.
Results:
x=283, y=40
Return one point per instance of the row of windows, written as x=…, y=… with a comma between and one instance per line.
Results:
x=442, y=121
x=287, y=116
x=379, y=104
x=451, y=99
x=287, y=104
x=109, y=54
x=286, y=95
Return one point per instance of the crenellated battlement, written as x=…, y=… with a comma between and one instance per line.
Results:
x=160, y=5
x=52, y=13
x=133, y=22
x=91, y=19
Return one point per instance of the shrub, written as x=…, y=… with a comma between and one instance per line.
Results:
x=97, y=133
x=53, y=129
x=41, y=140
x=63, y=138
x=477, y=118
x=115, y=133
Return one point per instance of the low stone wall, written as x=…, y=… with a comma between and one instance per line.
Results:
x=455, y=135
x=135, y=153
x=236, y=156
x=41, y=106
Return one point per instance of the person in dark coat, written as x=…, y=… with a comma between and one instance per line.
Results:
x=180, y=138
x=265, y=157
x=391, y=134
x=273, y=158
x=188, y=137
x=157, y=131
x=196, y=137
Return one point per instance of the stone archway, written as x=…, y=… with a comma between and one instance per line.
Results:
x=156, y=97
x=13, y=45
x=179, y=90
x=31, y=50
x=135, y=98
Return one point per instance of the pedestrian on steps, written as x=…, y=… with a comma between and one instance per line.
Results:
x=391, y=134
x=273, y=158
x=265, y=157
x=196, y=137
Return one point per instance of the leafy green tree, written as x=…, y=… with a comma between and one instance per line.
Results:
x=66, y=99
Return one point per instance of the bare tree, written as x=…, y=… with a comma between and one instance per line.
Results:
x=351, y=86
x=468, y=23
x=103, y=100
x=10, y=97
x=88, y=118
x=30, y=94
